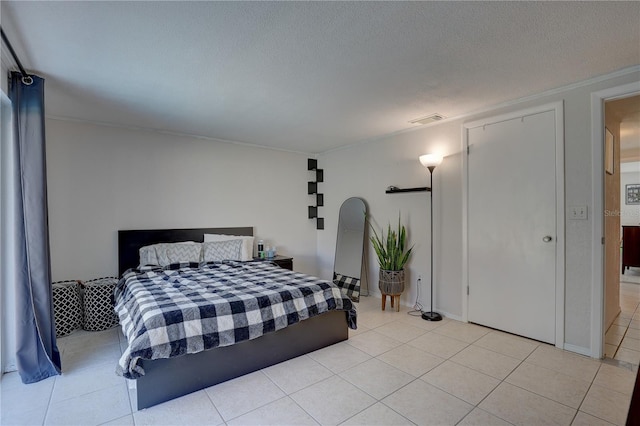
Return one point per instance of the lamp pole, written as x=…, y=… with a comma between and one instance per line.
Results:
x=430, y=162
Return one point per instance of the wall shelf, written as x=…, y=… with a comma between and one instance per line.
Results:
x=312, y=188
x=394, y=190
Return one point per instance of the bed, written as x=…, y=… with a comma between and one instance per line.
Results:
x=167, y=378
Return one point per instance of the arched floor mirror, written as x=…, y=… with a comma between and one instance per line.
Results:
x=347, y=267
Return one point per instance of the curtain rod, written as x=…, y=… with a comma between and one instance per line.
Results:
x=26, y=78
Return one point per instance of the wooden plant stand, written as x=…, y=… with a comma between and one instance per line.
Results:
x=391, y=283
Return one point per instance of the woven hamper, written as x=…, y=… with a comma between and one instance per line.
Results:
x=99, y=313
x=67, y=307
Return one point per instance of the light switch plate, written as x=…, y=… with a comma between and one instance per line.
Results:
x=578, y=212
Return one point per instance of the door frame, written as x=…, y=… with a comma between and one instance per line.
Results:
x=597, y=201
x=558, y=109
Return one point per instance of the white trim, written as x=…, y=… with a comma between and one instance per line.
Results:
x=597, y=201
x=558, y=109
x=172, y=133
x=505, y=104
x=577, y=349
x=465, y=223
x=4, y=103
x=513, y=114
x=494, y=107
x=452, y=316
x=560, y=225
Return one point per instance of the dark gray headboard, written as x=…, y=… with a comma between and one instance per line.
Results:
x=130, y=241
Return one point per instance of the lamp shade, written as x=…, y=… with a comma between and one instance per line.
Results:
x=430, y=160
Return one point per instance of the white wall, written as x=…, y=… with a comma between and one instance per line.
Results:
x=629, y=213
x=367, y=169
x=102, y=179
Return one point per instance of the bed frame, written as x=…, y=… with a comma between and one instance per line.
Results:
x=170, y=378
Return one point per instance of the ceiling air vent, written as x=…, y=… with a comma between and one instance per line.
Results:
x=427, y=119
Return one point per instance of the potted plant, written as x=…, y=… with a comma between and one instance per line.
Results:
x=392, y=255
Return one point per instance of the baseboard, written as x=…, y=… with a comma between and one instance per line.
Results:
x=445, y=314
x=450, y=316
x=577, y=349
x=9, y=368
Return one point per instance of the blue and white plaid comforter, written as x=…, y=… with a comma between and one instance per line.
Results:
x=188, y=308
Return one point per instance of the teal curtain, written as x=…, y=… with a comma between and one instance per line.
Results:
x=37, y=353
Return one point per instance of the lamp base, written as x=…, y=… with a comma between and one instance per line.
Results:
x=431, y=316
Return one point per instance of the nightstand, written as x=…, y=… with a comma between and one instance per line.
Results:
x=282, y=261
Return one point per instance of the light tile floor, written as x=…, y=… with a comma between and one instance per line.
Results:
x=622, y=339
x=395, y=369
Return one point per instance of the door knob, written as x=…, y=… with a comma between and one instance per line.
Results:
x=547, y=238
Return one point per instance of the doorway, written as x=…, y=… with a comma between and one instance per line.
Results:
x=598, y=100
x=515, y=227
x=621, y=227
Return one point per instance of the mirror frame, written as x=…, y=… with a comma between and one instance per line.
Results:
x=352, y=284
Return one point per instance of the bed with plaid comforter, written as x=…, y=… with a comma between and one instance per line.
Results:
x=188, y=308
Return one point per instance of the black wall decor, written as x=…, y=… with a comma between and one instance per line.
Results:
x=312, y=188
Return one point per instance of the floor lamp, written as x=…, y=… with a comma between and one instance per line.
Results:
x=430, y=161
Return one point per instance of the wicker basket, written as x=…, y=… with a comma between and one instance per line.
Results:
x=98, y=304
x=391, y=282
x=67, y=307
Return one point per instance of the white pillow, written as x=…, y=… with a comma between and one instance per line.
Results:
x=148, y=255
x=247, y=243
x=217, y=251
x=168, y=253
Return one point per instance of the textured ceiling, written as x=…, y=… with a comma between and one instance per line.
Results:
x=309, y=76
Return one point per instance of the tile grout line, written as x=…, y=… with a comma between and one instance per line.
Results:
x=46, y=414
x=501, y=382
x=126, y=384
x=380, y=400
x=224, y=422
x=449, y=359
x=591, y=382
x=288, y=395
x=626, y=330
x=420, y=377
x=585, y=397
x=133, y=418
x=619, y=345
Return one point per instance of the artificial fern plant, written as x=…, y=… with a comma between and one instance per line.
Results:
x=391, y=252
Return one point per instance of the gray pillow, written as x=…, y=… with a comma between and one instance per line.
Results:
x=168, y=253
x=217, y=251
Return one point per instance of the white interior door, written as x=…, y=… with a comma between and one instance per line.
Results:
x=512, y=230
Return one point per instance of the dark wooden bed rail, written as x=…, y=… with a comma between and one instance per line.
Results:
x=166, y=379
